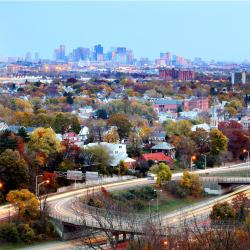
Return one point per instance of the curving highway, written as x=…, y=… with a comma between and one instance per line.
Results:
x=61, y=203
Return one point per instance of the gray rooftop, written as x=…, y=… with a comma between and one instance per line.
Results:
x=163, y=146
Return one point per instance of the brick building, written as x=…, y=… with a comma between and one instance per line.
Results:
x=176, y=74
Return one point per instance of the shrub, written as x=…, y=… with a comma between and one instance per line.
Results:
x=138, y=205
x=177, y=190
x=9, y=233
x=26, y=233
x=129, y=195
x=146, y=193
x=1, y=198
x=95, y=202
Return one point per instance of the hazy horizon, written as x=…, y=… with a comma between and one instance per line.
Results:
x=211, y=30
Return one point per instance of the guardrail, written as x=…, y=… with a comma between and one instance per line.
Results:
x=101, y=181
x=236, y=180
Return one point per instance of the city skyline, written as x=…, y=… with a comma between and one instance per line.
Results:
x=189, y=29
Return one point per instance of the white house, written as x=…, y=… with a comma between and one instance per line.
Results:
x=3, y=126
x=85, y=112
x=245, y=122
x=117, y=152
x=201, y=126
x=83, y=134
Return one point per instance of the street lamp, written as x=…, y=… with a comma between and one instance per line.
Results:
x=205, y=159
x=157, y=199
x=193, y=158
x=246, y=151
x=38, y=186
x=149, y=206
x=1, y=185
x=37, y=182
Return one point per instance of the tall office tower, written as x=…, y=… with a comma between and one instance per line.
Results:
x=240, y=77
x=59, y=53
x=130, y=57
x=80, y=54
x=98, y=52
x=163, y=56
x=36, y=57
x=62, y=52
x=28, y=57
x=169, y=58
x=121, y=55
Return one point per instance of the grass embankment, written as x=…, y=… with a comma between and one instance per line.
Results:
x=163, y=201
x=12, y=246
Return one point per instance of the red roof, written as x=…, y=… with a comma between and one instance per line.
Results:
x=157, y=157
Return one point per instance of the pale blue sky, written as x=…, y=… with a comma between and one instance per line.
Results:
x=211, y=30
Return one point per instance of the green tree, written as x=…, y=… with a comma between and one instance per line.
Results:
x=8, y=233
x=25, y=203
x=22, y=133
x=8, y=140
x=218, y=140
x=162, y=171
x=13, y=170
x=61, y=123
x=181, y=127
x=222, y=211
x=99, y=158
x=75, y=125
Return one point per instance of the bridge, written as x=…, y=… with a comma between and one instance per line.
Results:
x=87, y=217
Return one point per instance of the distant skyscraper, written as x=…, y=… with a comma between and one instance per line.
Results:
x=59, y=53
x=98, y=52
x=80, y=54
x=169, y=58
x=36, y=57
x=28, y=57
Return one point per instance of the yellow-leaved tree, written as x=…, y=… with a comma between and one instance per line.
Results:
x=43, y=141
x=192, y=183
x=25, y=203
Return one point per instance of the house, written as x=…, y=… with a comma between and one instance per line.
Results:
x=83, y=134
x=245, y=122
x=196, y=103
x=14, y=128
x=167, y=105
x=158, y=137
x=165, y=148
x=72, y=137
x=189, y=114
x=201, y=126
x=130, y=163
x=167, y=116
x=117, y=151
x=3, y=126
x=86, y=112
x=157, y=158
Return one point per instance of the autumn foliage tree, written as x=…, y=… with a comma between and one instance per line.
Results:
x=238, y=138
x=192, y=183
x=13, y=170
x=25, y=202
x=121, y=121
x=43, y=142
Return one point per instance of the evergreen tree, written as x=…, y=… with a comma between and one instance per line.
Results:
x=22, y=133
